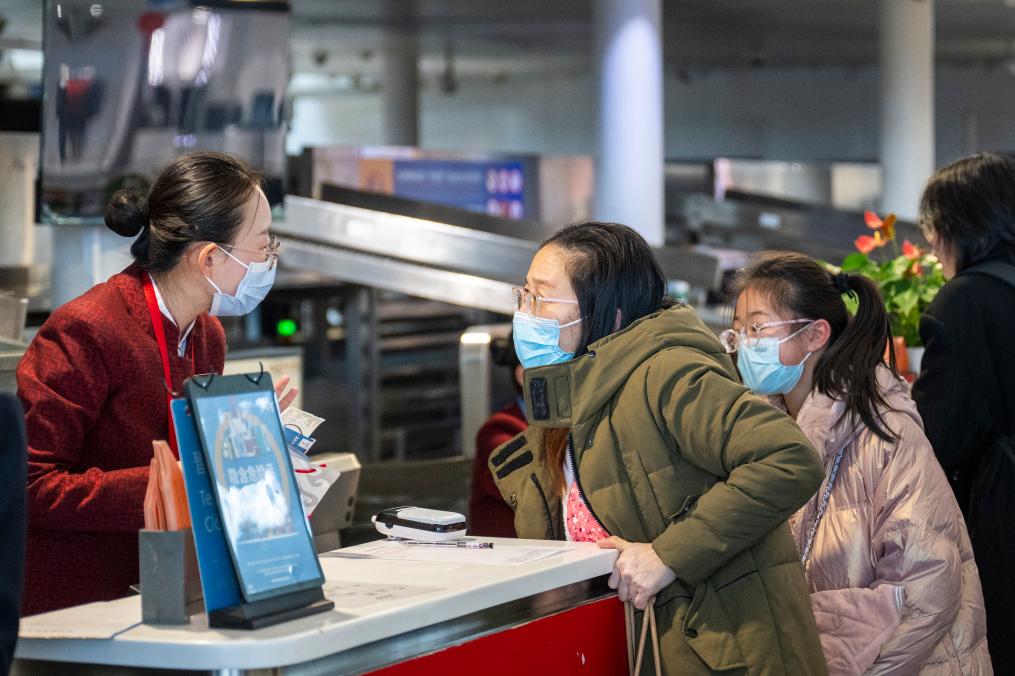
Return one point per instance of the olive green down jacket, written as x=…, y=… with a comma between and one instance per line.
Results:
x=671, y=449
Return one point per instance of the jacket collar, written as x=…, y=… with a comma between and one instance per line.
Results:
x=575, y=391
x=130, y=285
x=821, y=417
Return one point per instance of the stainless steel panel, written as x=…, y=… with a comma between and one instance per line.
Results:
x=130, y=85
x=13, y=311
x=10, y=355
x=478, y=253
x=400, y=276
x=407, y=238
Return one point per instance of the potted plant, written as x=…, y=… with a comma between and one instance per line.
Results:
x=908, y=277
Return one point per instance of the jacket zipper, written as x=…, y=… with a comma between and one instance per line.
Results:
x=546, y=505
x=578, y=483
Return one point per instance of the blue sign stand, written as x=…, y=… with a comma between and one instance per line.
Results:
x=223, y=600
x=218, y=578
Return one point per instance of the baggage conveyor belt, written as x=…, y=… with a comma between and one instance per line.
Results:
x=430, y=251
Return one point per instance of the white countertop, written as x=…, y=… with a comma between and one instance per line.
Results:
x=439, y=592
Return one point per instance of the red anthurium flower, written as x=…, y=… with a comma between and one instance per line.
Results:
x=872, y=220
x=865, y=244
x=910, y=251
x=888, y=227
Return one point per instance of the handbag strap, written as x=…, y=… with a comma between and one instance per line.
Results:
x=648, y=625
x=822, y=505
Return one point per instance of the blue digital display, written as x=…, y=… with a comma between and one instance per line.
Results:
x=258, y=498
x=495, y=188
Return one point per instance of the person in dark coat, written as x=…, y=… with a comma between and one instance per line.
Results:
x=12, y=524
x=966, y=388
x=96, y=379
x=488, y=513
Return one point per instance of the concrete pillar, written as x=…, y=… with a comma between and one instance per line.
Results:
x=400, y=76
x=629, y=62
x=907, y=102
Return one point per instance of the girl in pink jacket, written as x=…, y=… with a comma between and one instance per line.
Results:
x=894, y=587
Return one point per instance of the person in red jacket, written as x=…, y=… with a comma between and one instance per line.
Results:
x=96, y=380
x=488, y=513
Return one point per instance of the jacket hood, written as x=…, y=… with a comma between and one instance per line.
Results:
x=561, y=395
x=821, y=419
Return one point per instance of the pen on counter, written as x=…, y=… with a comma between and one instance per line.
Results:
x=454, y=543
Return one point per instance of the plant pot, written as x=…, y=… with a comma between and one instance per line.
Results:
x=915, y=355
x=901, y=358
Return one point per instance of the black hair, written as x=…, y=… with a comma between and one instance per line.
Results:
x=801, y=287
x=610, y=267
x=970, y=206
x=502, y=353
x=198, y=197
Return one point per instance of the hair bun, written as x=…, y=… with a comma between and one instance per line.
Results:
x=127, y=213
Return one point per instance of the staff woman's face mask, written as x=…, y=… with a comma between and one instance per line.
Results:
x=758, y=359
x=254, y=286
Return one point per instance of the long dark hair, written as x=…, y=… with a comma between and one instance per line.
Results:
x=198, y=197
x=800, y=287
x=611, y=267
x=970, y=205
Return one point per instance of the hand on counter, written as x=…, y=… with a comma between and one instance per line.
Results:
x=285, y=401
x=639, y=573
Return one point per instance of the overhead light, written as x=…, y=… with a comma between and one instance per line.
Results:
x=95, y=10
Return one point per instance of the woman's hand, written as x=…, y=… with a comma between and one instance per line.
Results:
x=639, y=573
x=285, y=401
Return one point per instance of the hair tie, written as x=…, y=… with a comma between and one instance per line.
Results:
x=841, y=284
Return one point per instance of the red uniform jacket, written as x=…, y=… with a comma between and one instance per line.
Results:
x=488, y=513
x=94, y=395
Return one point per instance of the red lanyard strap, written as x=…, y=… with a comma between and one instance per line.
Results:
x=160, y=336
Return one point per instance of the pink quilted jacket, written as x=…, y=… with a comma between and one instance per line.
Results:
x=894, y=586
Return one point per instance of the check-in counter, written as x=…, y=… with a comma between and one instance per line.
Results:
x=522, y=606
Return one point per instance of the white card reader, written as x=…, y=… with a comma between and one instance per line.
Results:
x=419, y=523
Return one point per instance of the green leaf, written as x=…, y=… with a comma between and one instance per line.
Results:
x=855, y=262
x=906, y=301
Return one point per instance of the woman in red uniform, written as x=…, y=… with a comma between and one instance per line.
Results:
x=96, y=379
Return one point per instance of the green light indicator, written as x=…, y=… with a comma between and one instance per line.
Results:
x=286, y=328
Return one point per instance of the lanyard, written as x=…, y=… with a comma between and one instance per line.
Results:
x=823, y=505
x=160, y=336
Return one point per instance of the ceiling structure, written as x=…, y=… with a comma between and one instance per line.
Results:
x=487, y=39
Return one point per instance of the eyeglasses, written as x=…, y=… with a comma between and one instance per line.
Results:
x=526, y=301
x=270, y=252
x=732, y=340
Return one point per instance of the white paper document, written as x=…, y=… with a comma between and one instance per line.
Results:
x=355, y=595
x=303, y=422
x=314, y=480
x=400, y=551
x=94, y=620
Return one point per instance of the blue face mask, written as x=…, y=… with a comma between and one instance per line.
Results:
x=537, y=340
x=254, y=286
x=759, y=365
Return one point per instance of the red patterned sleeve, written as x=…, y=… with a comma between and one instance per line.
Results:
x=63, y=386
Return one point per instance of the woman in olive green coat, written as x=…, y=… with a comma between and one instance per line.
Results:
x=642, y=438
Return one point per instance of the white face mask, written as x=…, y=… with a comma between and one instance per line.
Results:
x=254, y=286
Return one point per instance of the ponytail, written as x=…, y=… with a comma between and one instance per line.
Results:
x=848, y=369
